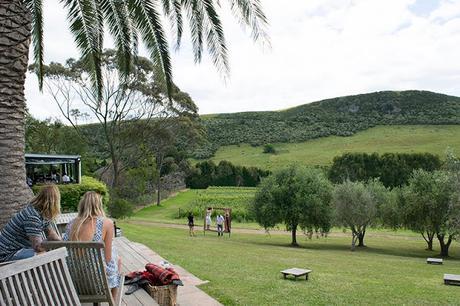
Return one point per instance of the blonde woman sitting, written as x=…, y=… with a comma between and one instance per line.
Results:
x=92, y=225
x=22, y=236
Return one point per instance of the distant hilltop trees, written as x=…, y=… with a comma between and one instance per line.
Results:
x=343, y=116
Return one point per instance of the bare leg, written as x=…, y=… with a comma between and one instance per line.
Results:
x=114, y=292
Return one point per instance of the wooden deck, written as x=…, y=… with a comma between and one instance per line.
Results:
x=134, y=256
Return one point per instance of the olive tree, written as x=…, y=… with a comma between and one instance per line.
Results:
x=432, y=207
x=297, y=197
x=356, y=206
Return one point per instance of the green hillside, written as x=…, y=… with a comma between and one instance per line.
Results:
x=343, y=116
x=381, y=139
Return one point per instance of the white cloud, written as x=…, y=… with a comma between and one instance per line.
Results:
x=320, y=49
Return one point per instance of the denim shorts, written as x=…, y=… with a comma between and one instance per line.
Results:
x=23, y=254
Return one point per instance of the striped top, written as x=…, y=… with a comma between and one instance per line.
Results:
x=15, y=235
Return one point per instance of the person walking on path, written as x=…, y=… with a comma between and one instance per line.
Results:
x=191, y=224
x=220, y=225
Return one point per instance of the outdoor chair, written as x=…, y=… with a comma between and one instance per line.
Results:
x=40, y=280
x=62, y=220
x=87, y=269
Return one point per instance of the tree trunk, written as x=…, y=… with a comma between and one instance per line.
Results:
x=444, y=245
x=429, y=244
x=15, y=26
x=116, y=171
x=159, y=190
x=429, y=240
x=353, y=241
x=361, y=238
x=294, y=235
x=159, y=162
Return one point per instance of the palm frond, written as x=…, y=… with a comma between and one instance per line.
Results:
x=172, y=9
x=35, y=7
x=195, y=14
x=250, y=13
x=146, y=19
x=119, y=25
x=176, y=20
x=166, y=6
x=215, y=38
x=86, y=25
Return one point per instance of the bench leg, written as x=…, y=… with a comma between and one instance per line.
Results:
x=306, y=276
x=284, y=275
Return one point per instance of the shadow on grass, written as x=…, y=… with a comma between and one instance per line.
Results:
x=400, y=252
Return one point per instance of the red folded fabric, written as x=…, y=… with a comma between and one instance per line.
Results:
x=155, y=275
x=164, y=276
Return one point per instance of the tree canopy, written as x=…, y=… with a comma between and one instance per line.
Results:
x=432, y=207
x=297, y=197
x=356, y=206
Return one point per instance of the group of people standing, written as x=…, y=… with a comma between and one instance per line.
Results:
x=222, y=222
x=23, y=236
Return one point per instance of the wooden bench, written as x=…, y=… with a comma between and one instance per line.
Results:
x=452, y=279
x=87, y=269
x=40, y=280
x=296, y=272
x=63, y=219
x=434, y=261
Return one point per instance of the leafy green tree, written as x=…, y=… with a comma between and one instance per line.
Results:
x=356, y=206
x=128, y=22
x=432, y=207
x=389, y=212
x=125, y=109
x=297, y=197
x=269, y=148
x=225, y=174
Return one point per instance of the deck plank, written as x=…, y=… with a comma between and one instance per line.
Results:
x=137, y=255
x=130, y=261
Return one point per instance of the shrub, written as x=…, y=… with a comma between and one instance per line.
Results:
x=72, y=193
x=120, y=208
x=269, y=148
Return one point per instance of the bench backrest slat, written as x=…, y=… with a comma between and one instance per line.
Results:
x=29, y=278
x=39, y=280
x=87, y=269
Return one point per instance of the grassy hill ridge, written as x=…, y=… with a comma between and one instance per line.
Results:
x=381, y=139
x=342, y=116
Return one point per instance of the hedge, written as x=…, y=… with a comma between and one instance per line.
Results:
x=393, y=169
x=72, y=193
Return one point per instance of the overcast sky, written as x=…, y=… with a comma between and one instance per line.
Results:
x=320, y=49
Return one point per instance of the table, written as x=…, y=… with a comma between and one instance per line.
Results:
x=434, y=261
x=296, y=272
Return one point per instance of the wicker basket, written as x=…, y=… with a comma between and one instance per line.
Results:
x=164, y=295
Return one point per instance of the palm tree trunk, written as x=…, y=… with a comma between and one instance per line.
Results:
x=15, y=26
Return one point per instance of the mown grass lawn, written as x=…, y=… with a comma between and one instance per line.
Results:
x=404, y=138
x=244, y=269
